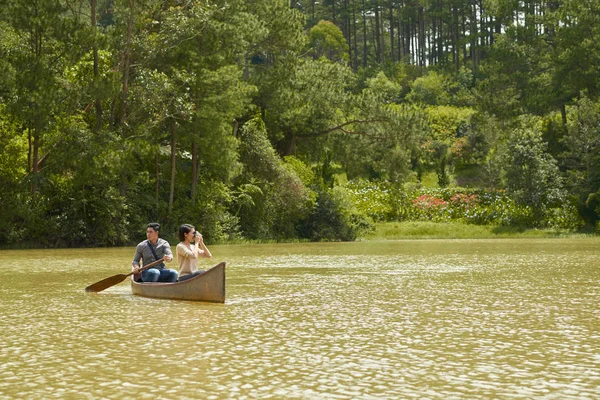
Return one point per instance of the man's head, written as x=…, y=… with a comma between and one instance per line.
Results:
x=152, y=230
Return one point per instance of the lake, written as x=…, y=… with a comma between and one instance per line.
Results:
x=437, y=319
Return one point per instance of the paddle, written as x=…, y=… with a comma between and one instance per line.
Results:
x=113, y=280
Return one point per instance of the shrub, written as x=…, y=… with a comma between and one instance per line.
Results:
x=480, y=207
x=371, y=199
x=334, y=218
x=280, y=199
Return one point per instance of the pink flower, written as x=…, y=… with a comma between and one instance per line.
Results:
x=428, y=202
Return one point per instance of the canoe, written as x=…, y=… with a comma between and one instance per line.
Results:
x=209, y=286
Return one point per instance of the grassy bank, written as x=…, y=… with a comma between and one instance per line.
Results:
x=457, y=230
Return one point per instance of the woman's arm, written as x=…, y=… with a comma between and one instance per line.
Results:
x=201, y=247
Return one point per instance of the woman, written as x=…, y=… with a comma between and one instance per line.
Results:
x=188, y=253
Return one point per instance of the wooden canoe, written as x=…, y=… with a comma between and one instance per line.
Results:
x=209, y=286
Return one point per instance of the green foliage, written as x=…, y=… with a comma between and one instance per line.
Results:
x=208, y=212
x=532, y=175
x=475, y=206
x=334, y=218
x=382, y=150
x=327, y=40
x=278, y=197
x=458, y=230
x=304, y=172
x=384, y=88
x=371, y=199
x=504, y=75
x=449, y=123
x=304, y=98
x=582, y=156
x=13, y=161
x=432, y=89
x=215, y=113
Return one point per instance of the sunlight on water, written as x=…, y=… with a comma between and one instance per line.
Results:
x=422, y=319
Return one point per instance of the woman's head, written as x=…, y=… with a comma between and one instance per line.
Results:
x=184, y=230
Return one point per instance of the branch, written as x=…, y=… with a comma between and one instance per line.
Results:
x=341, y=128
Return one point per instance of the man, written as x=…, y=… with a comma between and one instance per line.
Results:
x=151, y=250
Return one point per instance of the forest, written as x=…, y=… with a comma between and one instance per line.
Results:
x=276, y=120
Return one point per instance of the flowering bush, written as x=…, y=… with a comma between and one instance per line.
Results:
x=479, y=206
x=426, y=202
x=430, y=208
x=371, y=199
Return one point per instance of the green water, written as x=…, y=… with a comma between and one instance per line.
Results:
x=404, y=319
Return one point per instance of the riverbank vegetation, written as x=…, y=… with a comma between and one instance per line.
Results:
x=407, y=230
x=303, y=120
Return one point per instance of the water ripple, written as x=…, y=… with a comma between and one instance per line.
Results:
x=432, y=319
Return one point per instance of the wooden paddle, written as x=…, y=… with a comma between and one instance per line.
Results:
x=113, y=280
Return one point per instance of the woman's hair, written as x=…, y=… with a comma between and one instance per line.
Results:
x=184, y=229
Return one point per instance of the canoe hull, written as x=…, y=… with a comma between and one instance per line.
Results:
x=209, y=286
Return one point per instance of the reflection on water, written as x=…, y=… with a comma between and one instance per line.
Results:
x=424, y=319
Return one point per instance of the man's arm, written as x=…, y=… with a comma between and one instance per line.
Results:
x=135, y=264
x=168, y=254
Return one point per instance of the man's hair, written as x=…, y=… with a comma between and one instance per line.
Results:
x=183, y=230
x=154, y=225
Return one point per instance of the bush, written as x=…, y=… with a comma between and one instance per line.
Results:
x=334, y=218
x=271, y=196
x=371, y=199
x=477, y=206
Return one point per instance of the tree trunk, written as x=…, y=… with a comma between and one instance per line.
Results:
x=348, y=31
x=34, y=161
x=474, y=34
x=125, y=87
x=441, y=31
x=126, y=62
x=433, y=41
x=392, y=55
x=173, y=162
x=333, y=11
x=29, y=149
x=355, y=63
x=156, y=176
x=563, y=114
x=464, y=34
x=364, y=34
x=377, y=33
x=401, y=50
x=422, y=45
x=96, y=72
x=194, y=168
x=455, y=49
x=413, y=39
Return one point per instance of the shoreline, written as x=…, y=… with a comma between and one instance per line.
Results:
x=456, y=230
x=405, y=230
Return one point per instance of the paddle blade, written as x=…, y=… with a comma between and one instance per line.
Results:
x=106, y=283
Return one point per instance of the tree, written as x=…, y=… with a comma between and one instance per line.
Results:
x=532, y=175
x=582, y=157
x=277, y=196
x=327, y=40
x=45, y=37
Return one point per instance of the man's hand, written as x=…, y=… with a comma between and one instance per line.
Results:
x=135, y=269
x=168, y=258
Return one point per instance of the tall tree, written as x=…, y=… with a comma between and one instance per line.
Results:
x=49, y=38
